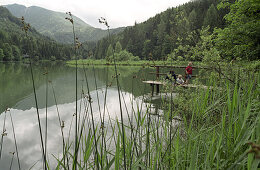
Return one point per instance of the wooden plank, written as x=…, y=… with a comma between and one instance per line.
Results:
x=154, y=82
x=169, y=66
x=182, y=85
x=194, y=86
x=162, y=74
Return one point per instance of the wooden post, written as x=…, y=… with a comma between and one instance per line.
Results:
x=152, y=88
x=157, y=89
x=157, y=77
x=157, y=72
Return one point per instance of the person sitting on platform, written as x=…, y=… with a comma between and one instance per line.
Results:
x=180, y=80
x=170, y=76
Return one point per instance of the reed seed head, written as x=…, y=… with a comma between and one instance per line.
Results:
x=102, y=20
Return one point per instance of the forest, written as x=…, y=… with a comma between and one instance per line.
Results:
x=193, y=31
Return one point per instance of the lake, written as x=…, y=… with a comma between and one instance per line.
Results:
x=16, y=94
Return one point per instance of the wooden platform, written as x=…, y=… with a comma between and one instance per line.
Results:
x=158, y=83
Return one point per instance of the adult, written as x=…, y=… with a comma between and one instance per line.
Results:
x=188, y=72
x=171, y=76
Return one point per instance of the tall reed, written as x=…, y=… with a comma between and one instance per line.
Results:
x=3, y=134
x=16, y=148
x=46, y=110
x=104, y=21
x=61, y=125
x=76, y=46
x=92, y=118
x=25, y=28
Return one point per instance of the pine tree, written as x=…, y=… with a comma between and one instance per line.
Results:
x=109, y=52
x=193, y=20
x=16, y=53
x=7, y=52
x=211, y=18
x=1, y=54
x=147, y=48
x=118, y=47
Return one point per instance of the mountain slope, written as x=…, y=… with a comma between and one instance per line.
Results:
x=14, y=44
x=168, y=32
x=54, y=25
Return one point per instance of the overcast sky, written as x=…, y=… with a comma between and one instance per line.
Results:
x=119, y=13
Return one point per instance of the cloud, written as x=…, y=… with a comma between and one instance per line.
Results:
x=118, y=12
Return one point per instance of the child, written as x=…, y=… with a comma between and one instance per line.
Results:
x=180, y=80
x=188, y=72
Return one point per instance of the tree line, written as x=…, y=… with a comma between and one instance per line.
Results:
x=198, y=30
x=229, y=28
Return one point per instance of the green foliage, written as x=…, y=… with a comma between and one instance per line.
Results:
x=193, y=19
x=118, y=47
x=53, y=58
x=147, y=48
x=241, y=38
x=15, y=44
x=1, y=54
x=174, y=30
x=8, y=56
x=109, y=50
x=205, y=49
x=36, y=58
x=124, y=56
x=16, y=53
x=211, y=18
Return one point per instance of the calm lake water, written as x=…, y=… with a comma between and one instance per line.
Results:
x=16, y=93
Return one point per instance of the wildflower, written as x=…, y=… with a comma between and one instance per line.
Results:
x=102, y=20
x=25, y=26
x=7, y=109
x=110, y=84
x=70, y=19
x=4, y=134
x=102, y=125
x=62, y=124
x=78, y=44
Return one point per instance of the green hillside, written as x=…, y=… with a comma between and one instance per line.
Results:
x=54, y=25
x=187, y=32
x=14, y=44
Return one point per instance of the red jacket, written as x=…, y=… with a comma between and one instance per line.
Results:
x=189, y=69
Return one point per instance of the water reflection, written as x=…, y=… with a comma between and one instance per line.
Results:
x=17, y=94
x=16, y=84
x=27, y=130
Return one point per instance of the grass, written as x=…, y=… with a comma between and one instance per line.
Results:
x=125, y=63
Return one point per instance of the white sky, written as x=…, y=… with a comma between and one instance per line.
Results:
x=119, y=13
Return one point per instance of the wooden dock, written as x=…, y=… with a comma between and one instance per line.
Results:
x=163, y=83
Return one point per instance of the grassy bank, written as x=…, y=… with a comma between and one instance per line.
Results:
x=128, y=63
x=216, y=128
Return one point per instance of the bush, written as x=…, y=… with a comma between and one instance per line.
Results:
x=124, y=56
x=180, y=58
x=53, y=58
